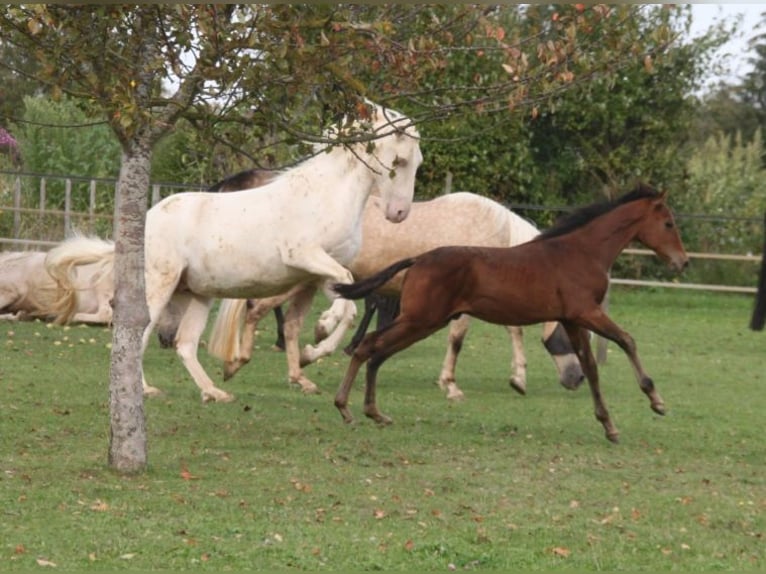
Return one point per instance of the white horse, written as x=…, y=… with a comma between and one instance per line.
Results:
x=300, y=229
x=461, y=218
x=27, y=290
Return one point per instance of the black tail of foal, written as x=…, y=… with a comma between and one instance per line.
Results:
x=365, y=286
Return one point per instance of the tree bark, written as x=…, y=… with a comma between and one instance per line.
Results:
x=127, y=437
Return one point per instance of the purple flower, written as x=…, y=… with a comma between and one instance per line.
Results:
x=7, y=140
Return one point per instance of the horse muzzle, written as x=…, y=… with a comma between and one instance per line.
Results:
x=397, y=213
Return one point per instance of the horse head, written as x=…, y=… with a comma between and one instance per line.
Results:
x=395, y=157
x=659, y=233
x=392, y=157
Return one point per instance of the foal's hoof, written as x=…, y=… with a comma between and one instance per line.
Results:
x=658, y=408
x=518, y=385
x=151, y=391
x=613, y=437
x=380, y=418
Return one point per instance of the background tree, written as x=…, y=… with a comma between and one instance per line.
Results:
x=292, y=70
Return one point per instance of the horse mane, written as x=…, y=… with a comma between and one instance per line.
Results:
x=584, y=215
x=245, y=179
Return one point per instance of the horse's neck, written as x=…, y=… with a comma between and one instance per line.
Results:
x=606, y=236
x=348, y=183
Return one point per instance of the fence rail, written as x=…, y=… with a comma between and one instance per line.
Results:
x=44, y=225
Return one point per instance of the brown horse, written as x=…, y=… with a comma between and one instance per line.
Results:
x=562, y=275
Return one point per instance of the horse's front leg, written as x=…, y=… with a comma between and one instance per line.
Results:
x=580, y=340
x=300, y=303
x=600, y=323
x=457, y=331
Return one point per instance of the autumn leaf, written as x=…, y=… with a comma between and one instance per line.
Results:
x=186, y=475
x=379, y=513
x=99, y=506
x=561, y=552
x=44, y=562
x=409, y=545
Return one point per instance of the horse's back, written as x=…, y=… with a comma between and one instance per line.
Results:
x=472, y=279
x=234, y=244
x=460, y=218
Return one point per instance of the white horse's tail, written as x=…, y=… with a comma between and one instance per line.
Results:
x=60, y=263
x=223, y=342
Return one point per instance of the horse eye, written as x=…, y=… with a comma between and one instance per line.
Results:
x=669, y=225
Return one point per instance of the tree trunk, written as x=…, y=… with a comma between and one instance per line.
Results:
x=127, y=438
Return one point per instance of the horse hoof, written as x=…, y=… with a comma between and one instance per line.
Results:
x=311, y=390
x=217, y=397
x=152, y=392
x=659, y=408
x=380, y=418
x=613, y=437
x=518, y=386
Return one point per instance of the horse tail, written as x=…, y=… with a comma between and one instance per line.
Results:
x=223, y=342
x=60, y=263
x=365, y=286
x=759, y=312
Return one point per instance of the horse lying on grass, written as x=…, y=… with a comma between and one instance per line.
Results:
x=28, y=291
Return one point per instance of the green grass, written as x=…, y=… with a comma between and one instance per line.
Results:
x=499, y=481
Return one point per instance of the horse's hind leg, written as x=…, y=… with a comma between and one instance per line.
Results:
x=518, y=379
x=580, y=340
x=343, y=313
x=556, y=342
x=398, y=336
x=300, y=303
x=457, y=331
x=257, y=310
x=376, y=347
x=187, y=344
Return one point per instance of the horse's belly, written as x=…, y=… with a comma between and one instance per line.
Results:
x=240, y=277
x=239, y=282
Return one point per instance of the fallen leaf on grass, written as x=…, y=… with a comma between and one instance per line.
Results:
x=44, y=562
x=561, y=551
x=186, y=475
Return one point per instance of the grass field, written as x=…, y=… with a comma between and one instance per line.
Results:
x=499, y=481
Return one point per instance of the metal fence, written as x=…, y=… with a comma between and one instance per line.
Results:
x=38, y=211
